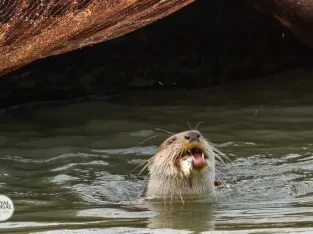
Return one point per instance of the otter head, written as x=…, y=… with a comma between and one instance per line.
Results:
x=183, y=164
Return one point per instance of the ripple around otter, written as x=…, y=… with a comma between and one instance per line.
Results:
x=65, y=168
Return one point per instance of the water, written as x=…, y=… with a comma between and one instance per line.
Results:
x=64, y=166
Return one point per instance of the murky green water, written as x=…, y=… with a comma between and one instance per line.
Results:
x=64, y=165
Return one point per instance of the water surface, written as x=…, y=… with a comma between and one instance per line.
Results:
x=64, y=166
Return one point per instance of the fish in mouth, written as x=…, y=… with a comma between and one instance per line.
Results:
x=193, y=161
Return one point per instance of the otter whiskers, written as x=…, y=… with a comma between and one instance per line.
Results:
x=183, y=167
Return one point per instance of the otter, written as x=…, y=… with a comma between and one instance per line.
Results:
x=183, y=166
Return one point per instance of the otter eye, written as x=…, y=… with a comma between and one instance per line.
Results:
x=172, y=140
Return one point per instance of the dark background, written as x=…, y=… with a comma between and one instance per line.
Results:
x=207, y=43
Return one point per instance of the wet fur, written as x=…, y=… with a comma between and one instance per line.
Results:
x=165, y=178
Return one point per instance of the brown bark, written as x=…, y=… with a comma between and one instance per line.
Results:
x=30, y=30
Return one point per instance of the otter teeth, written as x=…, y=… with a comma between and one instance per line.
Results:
x=193, y=157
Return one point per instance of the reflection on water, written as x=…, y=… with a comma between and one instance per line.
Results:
x=64, y=166
x=195, y=216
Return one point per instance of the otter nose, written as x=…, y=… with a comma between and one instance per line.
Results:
x=192, y=136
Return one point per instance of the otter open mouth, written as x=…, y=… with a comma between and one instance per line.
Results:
x=199, y=158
